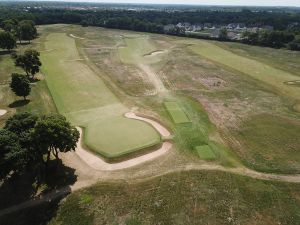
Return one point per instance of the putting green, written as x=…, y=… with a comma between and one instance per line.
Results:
x=140, y=136
x=85, y=100
x=176, y=112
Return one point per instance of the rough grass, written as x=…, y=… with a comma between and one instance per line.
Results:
x=270, y=143
x=84, y=98
x=184, y=198
x=176, y=112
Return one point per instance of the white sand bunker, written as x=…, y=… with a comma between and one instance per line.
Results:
x=98, y=163
x=3, y=112
x=154, y=53
x=73, y=36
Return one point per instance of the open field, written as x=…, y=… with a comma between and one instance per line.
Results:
x=184, y=198
x=96, y=108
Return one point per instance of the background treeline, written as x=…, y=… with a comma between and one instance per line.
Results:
x=154, y=20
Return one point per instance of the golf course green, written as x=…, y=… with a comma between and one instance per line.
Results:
x=86, y=101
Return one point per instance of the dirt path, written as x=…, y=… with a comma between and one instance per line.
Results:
x=154, y=78
x=91, y=177
x=97, y=163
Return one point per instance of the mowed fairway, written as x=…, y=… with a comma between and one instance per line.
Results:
x=256, y=69
x=85, y=100
x=176, y=113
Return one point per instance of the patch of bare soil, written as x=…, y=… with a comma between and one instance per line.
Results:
x=213, y=82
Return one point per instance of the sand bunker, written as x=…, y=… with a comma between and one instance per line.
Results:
x=293, y=82
x=154, y=53
x=3, y=112
x=98, y=163
x=73, y=36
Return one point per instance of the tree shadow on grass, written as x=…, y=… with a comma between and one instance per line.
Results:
x=6, y=52
x=21, y=188
x=18, y=103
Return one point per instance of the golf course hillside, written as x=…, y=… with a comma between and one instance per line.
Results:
x=81, y=95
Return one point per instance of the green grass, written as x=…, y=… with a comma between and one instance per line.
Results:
x=136, y=48
x=279, y=58
x=193, y=197
x=270, y=143
x=81, y=95
x=256, y=69
x=120, y=136
x=205, y=152
x=176, y=112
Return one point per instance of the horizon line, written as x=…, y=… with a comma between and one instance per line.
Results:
x=149, y=3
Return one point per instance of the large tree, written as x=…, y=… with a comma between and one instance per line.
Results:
x=20, y=85
x=7, y=41
x=29, y=62
x=11, y=153
x=26, y=30
x=54, y=134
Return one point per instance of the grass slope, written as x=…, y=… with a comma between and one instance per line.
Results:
x=184, y=198
x=251, y=67
x=84, y=98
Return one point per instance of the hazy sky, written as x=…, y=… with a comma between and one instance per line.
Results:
x=206, y=2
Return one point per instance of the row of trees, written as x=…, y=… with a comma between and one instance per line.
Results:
x=154, y=21
x=30, y=63
x=16, y=30
x=28, y=141
x=274, y=39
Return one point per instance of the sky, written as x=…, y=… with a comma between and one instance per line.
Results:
x=205, y=2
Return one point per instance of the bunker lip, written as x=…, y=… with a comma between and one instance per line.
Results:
x=97, y=163
x=161, y=129
x=154, y=53
x=73, y=36
x=3, y=112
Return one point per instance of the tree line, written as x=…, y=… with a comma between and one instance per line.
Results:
x=154, y=21
x=14, y=30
